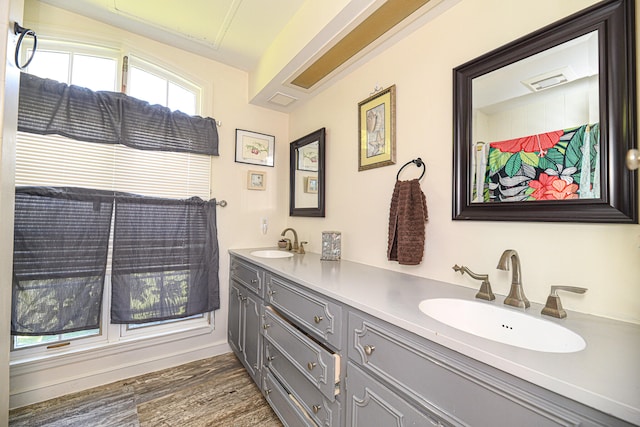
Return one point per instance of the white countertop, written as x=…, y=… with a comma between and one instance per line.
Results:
x=605, y=375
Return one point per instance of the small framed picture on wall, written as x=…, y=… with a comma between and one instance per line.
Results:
x=256, y=180
x=254, y=148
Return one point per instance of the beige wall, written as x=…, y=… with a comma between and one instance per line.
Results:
x=603, y=258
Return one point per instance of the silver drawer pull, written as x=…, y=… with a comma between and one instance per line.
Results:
x=271, y=358
x=369, y=349
x=243, y=299
x=255, y=366
x=266, y=326
x=254, y=281
x=316, y=408
x=317, y=319
x=267, y=391
x=271, y=293
x=311, y=365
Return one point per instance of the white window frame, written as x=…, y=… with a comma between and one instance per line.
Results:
x=114, y=333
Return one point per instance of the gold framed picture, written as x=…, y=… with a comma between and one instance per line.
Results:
x=256, y=180
x=310, y=184
x=377, y=130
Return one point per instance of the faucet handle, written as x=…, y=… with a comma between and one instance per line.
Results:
x=485, y=291
x=574, y=289
x=301, y=247
x=553, y=307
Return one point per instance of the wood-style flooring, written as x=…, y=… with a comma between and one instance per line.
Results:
x=211, y=392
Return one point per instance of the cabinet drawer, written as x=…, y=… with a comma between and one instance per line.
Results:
x=284, y=405
x=320, y=366
x=369, y=403
x=312, y=312
x=248, y=275
x=319, y=408
x=445, y=383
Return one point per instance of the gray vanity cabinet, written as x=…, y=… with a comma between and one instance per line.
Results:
x=446, y=387
x=245, y=313
x=301, y=331
x=321, y=362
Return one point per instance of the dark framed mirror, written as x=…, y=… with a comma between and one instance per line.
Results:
x=306, y=175
x=542, y=125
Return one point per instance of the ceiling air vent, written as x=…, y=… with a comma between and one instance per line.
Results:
x=282, y=100
x=550, y=79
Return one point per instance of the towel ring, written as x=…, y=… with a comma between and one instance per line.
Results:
x=418, y=162
x=17, y=29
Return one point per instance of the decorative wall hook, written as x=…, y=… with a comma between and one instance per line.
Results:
x=376, y=89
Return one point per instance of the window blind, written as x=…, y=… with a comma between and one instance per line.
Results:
x=55, y=160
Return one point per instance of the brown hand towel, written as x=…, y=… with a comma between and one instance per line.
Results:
x=407, y=218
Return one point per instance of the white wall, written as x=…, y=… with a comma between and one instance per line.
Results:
x=225, y=99
x=604, y=258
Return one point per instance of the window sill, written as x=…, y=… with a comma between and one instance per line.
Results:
x=80, y=352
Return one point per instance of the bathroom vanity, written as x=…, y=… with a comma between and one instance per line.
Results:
x=345, y=344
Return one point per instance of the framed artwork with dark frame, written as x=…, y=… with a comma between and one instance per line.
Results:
x=377, y=130
x=254, y=148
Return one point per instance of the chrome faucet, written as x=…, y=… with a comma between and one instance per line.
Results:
x=295, y=239
x=516, y=295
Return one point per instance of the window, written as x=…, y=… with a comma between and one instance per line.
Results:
x=57, y=161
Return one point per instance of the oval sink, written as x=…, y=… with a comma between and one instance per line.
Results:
x=272, y=254
x=503, y=325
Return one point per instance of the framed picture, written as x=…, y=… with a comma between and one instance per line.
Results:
x=254, y=148
x=308, y=157
x=256, y=180
x=377, y=130
x=311, y=184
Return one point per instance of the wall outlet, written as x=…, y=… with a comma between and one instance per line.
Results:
x=264, y=225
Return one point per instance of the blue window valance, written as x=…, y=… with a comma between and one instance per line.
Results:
x=50, y=107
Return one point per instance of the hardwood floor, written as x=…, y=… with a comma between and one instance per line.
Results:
x=211, y=392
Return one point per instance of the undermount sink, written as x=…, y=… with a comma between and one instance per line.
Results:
x=503, y=325
x=272, y=254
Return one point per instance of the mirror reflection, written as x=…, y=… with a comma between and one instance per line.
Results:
x=307, y=175
x=535, y=127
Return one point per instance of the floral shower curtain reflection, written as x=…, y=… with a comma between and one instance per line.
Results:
x=557, y=165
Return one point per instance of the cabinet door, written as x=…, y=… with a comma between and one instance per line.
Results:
x=245, y=312
x=252, y=342
x=369, y=403
x=235, y=319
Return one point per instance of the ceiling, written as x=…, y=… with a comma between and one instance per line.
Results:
x=243, y=33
